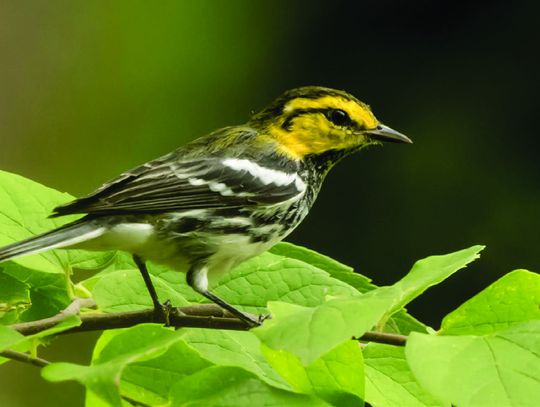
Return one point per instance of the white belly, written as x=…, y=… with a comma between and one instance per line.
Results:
x=141, y=239
x=233, y=250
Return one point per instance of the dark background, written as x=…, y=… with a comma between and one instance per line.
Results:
x=88, y=90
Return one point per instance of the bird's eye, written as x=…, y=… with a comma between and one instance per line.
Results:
x=338, y=117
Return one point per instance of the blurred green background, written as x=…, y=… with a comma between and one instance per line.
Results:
x=89, y=89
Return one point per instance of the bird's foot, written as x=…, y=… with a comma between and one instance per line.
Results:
x=163, y=312
x=264, y=317
x=253, y=320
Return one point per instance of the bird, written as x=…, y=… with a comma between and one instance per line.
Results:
x=223, y=198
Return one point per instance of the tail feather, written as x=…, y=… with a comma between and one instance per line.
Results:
x=67, y=235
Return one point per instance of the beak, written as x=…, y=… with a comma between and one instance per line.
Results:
x=385, y=133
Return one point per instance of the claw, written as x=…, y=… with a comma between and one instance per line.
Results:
x=162, y=314
x=253, y=320
x=264, y=317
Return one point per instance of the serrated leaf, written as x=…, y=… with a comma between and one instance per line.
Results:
x=430, y=271
x=224, y=386
x=390, y=381
x=311, y=332
x=48, y=292
x=234, y=348
x=497, y=369
x=270, y=277
x=12, y=291
x=124, y=290
x=150, y=381
x=336, y=269
x=140, y=343
x=513, y=298
x=401, y=322
x=337, y=377
x=24, y=209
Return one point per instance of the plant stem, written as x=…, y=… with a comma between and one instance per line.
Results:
x=208, y=316
x=24, y=357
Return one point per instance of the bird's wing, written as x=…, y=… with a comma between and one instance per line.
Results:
x=168, y=185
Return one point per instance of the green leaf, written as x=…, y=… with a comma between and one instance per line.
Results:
x=311, y=332
x=12, y=291
x=150, y=381
x=271, y=277
x=336, y=269
x=24, y=209
x=93, y=400
x=234, y=348
x=512, y=299
x=170, y=284
x=428, y=272
x=337, y=377
x=224, y=386
x=124, y=290
x=140, y=343
x=87, y=260
x=48, y=292
x=11, y=339
x=497, y=369
x=389, y=380
x=401, y=322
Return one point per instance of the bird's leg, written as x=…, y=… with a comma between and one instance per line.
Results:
x=197, y=279
x=252, y=321
x=162, y=311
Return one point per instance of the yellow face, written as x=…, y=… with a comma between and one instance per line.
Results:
x=312, y=120
x=315, y=126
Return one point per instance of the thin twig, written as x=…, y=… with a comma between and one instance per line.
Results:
x=193, y=316
x=28, y=328
x=24, y=357
x=384, y=337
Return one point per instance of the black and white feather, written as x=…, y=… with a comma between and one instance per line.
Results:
x=167, y=186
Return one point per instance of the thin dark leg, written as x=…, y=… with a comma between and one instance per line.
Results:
x=196, y=279
x=236, y=312
x=160, y=310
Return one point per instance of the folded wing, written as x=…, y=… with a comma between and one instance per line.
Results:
x=169, y=185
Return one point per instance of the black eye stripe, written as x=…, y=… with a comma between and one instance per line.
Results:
x=299, y=112
x=329, y=113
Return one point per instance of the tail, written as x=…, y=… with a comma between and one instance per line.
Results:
x=67, y=235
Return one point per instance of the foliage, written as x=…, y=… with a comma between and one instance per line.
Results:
x=485, y=353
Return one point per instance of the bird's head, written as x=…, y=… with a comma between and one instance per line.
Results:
x=315, y=121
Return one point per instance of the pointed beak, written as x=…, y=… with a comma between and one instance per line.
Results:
x=385, y=133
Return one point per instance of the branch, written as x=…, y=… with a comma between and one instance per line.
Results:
x=384, y=337
x=24, y=357
x=28, y=328
x=195, y=316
